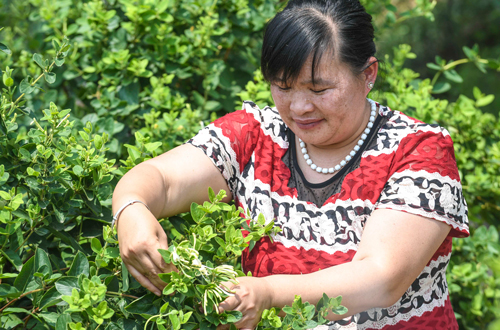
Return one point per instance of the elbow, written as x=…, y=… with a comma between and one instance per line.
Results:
x=394, y=288
x=390, y=298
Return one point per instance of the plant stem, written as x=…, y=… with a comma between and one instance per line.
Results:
x=436, y=76
x=455, y=63
x=122, y=294
x=22, y=296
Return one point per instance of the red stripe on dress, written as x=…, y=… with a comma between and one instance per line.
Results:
x=367, y=181
x=270, y=169
x=427, y=151
x=243, y=131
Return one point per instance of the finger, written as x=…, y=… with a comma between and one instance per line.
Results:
x=144, y=281
x=157, y=259
x=231, y=303
x=149, y=270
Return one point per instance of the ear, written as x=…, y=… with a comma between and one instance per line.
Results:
x=370, y=73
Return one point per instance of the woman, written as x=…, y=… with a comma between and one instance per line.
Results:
x=368, y=199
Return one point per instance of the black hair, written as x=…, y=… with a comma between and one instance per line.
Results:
x=314, y=27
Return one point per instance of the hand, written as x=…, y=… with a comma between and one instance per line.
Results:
x=140, y=236
x=252, y=296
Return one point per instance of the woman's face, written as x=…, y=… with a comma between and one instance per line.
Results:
x=330, y=113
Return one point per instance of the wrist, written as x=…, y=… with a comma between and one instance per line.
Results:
x=124, y=207
x=270, y=300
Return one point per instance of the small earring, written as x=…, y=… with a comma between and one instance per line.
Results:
x=370, y=85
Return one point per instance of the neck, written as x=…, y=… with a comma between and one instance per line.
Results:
x=336, y=156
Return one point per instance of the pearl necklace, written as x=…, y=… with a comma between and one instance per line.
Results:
x=353, y=151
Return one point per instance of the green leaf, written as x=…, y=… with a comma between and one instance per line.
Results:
x=78, y=170
x=66, y=284
x=196, y=212
x=468, y=52
x=148, y=304
x=25, y=275
x=59, y=61
x=484, y=101
x=98, y=141
x=25, y=87
x=477, y=93
x=211, y=194
x=125, y=278
x=80, y=265
x=441, y=87
x=150, y=147
x=50, y=298
x=179, y=224
x=212, y=105
x=96, y=245
x=62, y=322
x=7, y=291
x=50, y=77
x=176, y=324
x=453, y=76
x=66, y=238
x=434, y=66
x=42, y=259
x=5, y=49
x=84, y=136
x=39, y=60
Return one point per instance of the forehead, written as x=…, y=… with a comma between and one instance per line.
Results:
x=328, y=70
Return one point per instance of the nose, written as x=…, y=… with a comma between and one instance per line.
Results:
x=300, y=104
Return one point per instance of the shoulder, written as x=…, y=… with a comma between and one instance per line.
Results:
x=402, y=126
x=251, y=118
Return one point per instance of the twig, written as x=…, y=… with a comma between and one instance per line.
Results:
x=22, y=296
x=122, y=295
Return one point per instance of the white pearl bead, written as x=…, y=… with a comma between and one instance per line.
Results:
x=324, y=171
x=363, y=136
x=309, y=162
x=360, y=143
x=306, y=156
x=356, y=148
x=331, y=170
x=319, y=169
x=342, y=163
x=367, y=131
x=373, y=113
x=302, y=144
x=337, y=167
x=304, y=150
x=372, y=118
x=353, y=153
x=348, y=158
x=370, y=125
x=313, y=166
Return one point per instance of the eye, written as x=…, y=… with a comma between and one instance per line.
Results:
x=319, y=91
x=283, y=88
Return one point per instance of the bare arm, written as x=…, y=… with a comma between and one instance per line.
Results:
x=394, y=249
x=168, y=184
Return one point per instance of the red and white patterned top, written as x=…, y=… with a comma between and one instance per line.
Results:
x=410, y=168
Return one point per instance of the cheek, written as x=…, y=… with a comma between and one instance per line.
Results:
x=279, y=100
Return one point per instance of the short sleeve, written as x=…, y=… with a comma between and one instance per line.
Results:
x=229, y=143
x=424, y=179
